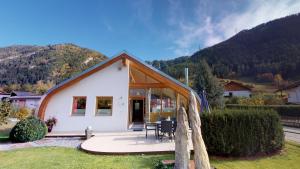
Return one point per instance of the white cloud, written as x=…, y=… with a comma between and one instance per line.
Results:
x=206, y=32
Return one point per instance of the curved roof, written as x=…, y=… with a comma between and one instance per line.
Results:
x=123, y=55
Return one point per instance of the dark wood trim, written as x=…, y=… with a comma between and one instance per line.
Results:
x=147, y=85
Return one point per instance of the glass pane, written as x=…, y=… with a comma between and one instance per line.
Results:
x=168, y=100
x=136, y=106
x=79, y=105
x=155, y=100
x=137, y=92
x=104, y=106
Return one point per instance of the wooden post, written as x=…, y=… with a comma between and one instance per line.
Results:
x=200, y=154
x=177, y=103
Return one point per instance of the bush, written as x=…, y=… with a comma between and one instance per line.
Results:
x=232, y=100
x=161, y=165
x=29, y=129
x=255, y=100
x=21, y=113
x=5, y=111
x=283, y=110
x=242, y=132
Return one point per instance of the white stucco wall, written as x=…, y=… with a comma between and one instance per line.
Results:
x=294, y=95
x=241, y=93
x=32, y=103
x=110, y=81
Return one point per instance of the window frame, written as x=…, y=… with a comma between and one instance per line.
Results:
x=78, y=114
x=96, y=106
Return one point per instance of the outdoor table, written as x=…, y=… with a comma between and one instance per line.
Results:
x=158, y=123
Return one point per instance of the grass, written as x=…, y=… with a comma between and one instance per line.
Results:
x=54, y=157
x=288, y=159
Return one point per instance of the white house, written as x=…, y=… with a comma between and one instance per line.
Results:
x=113, y=95
x=31, y=102
x=4, y=95
x=293, y=92
x=24, y=99
x=233, y=88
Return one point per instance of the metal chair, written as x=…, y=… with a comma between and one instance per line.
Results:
x=166, y=128
x=174, y=127
x=151, y=126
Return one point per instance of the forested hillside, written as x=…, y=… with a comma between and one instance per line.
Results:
x=29, y=64
x=259, y=53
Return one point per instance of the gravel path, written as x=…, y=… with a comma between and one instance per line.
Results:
x=292, y=134
x=72, y=142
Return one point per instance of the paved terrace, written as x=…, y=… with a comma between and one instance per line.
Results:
x=127, y=143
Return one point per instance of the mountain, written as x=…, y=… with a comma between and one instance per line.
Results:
x=265, y=50
x=24, y=64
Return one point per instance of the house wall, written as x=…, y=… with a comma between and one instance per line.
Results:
x=3, y=96
x=294, y=95
x=32, y=103
x=242, y=93
x=110, y=81
x=28, y=103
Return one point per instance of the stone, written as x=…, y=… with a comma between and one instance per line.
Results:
x=200, y=154
x=182, y=152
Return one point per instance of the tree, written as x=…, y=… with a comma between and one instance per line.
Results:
x=205, y=80
x=278, y=80
x=40, y=87
x=5, y=111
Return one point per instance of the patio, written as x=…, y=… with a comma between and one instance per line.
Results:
x=127, y=143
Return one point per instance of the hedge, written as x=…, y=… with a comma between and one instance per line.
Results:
x=283, y=110
x=29, y=129
x=242, y=132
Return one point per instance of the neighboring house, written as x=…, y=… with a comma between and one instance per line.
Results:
x=4, y=95
x=233, y=88
x=113, y=95
x=293, y=92
x=24, y=99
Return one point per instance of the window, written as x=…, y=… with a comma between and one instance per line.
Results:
x=104, y=106
x=168, y=100
x=155, y=100
x=79, y=106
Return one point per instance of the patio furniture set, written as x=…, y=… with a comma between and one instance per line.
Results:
x=163, y=127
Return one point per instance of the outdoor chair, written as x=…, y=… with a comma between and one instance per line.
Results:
x=151, y=126
x=174, y=127
x=166, y=127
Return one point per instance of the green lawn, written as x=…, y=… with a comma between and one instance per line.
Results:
x=55, y=157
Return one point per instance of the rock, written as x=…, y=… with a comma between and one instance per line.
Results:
x=182, y=152
x=200, y=154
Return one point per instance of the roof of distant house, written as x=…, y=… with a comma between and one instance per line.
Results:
x=291, y=86
x=4, y=93
x=235, y=86
x=22, y=93
x=25, y=97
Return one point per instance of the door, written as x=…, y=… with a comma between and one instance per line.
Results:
x=137, y=110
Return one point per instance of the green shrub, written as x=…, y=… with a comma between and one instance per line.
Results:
x=29, y=129
x=283, y=110
x=161, y=165
x=232, y=100
x=5, y=111
x=242, y=132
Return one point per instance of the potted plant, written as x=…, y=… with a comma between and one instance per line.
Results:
x=50, y=123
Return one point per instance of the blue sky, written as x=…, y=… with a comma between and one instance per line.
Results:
x=149, y=29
